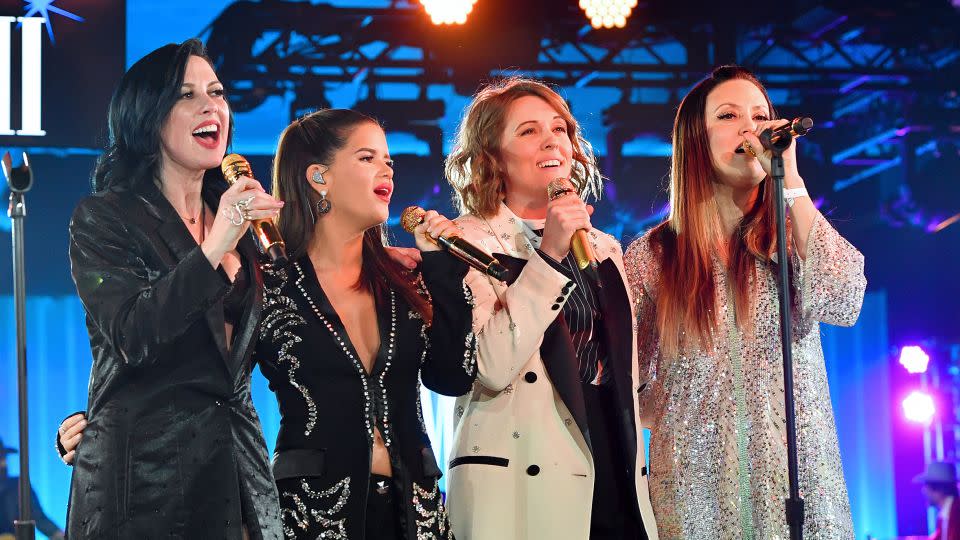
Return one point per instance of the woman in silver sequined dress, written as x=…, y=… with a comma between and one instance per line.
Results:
x=704, y=285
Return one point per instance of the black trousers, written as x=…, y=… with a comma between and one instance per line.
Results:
x=382, y=522
x=616, y=515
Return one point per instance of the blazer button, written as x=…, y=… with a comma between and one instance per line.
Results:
x=533, y=470
x=530, y=377
x=555, y=307
x=559, y=299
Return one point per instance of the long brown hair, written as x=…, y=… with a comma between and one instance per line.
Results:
x=692, y=236
x=310, y=140
x=473, y=167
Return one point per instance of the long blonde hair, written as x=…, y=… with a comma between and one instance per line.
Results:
x=692, y=236
x=474, y=169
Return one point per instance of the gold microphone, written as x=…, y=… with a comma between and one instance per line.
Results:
x=458, y=247
x=234, y=166
x=580, y=245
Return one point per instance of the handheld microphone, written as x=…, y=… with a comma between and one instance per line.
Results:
x=234, y=166
x=460, y=248
x=798, y=127
x=579, y=244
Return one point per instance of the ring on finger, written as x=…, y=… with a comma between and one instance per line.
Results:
x=245, y=202
x=245, y=213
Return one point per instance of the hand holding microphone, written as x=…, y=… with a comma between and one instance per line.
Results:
x=568, y=221
x=421, y=224
x=237, y=171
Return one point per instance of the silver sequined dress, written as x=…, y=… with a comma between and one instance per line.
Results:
x=718, y=446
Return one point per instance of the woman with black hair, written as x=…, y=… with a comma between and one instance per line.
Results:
x=167, y=276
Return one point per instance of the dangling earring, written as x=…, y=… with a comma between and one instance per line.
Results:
x=318, y=178
x=323, y=205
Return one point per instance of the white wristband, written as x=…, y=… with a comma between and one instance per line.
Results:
x=790, y=194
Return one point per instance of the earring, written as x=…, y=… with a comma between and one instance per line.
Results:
x=323, y=205
x=318, y=178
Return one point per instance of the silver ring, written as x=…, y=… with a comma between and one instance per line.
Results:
x=245, y=214
x=233, y=215
x=243, y=203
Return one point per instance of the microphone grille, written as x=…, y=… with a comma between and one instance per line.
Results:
x=411, y=217
x=802, y=125
x=234, y=166
x=558, y=187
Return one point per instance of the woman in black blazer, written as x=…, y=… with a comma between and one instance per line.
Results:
x=166, y=274
x=348, y=335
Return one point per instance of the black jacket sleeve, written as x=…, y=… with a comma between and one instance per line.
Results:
x=450, y=366
x=137, y=311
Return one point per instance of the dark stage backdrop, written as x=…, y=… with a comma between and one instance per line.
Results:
x=81, y=63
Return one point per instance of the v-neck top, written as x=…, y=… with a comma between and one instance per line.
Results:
x=329, y=404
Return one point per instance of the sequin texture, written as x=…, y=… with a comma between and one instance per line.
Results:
x=324, y=519
x=718, y=442
x=280, y=318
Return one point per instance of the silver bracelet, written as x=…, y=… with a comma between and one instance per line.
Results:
x=790, y=194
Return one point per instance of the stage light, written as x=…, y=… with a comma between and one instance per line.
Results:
x=914, y=359
x=918, y=407
x=448, y=11
x=608, y=13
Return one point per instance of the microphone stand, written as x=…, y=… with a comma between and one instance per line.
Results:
x=794, y=504
x=20, y=180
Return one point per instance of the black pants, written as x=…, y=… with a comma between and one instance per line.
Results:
x=382, y=521
x=615, y=512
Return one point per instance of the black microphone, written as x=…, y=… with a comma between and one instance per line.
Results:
x=460, y=248
x=798, y=127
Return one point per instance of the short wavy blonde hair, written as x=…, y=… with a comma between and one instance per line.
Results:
x=474, y=169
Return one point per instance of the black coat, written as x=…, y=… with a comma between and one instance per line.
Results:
x=173, y=448
x=329, y=404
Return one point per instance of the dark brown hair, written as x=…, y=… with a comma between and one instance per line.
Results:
x=692, y=236
x=313, y=139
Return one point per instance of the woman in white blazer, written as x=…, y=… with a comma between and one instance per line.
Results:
x=547, y=444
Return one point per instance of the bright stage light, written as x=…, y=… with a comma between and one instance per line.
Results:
x=608, y=13
x=914, y=359
x=448, y=11
x=918, y=407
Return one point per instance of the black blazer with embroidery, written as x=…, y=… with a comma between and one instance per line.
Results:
x=173, y=447
x=329, y=404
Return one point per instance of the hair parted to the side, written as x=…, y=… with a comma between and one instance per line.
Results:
x=692, y=237
x=138, y=108
x=473, y=168
x=314, y=139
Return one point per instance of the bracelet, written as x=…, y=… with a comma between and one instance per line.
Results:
x=790, y=194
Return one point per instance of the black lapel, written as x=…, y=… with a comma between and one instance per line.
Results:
x=245, y=333
x=618, y=334
x=384, y=316
x=558, y=355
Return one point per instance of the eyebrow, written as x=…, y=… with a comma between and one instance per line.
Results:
x=371, y=150
x=521, y=124
x=734, y=105
x=209, y=84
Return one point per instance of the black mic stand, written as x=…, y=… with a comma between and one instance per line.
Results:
x=20, y=180
x=794, y=504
